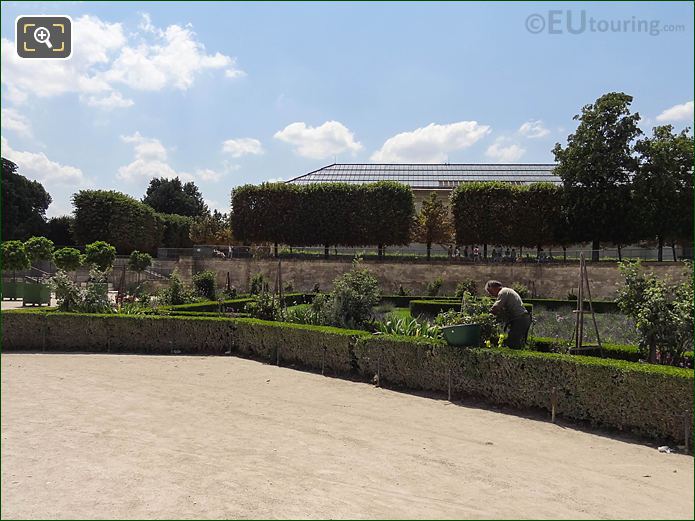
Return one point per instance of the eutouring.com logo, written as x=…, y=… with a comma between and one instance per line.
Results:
x=579, y=22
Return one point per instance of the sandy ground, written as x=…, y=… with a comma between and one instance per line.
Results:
x=110, y=436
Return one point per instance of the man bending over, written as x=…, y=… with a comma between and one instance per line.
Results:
x=509, y=309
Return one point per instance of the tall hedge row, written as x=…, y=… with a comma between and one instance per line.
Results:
x=504, y=213
x=120, y=220
x=655, y=401
x=323, y=214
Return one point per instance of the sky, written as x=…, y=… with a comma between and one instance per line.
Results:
x=224, y=94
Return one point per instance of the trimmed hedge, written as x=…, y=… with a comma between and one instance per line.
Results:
x=600, y=306
x=237, y=304
x=651, y=400
x=434, y=307
x=403, y=301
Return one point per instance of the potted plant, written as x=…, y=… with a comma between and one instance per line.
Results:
x=14, y=258
x=470, y=326
x=38, y=293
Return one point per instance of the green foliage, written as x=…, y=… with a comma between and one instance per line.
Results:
x=521, y=289
x=432, y=288
x=211, y=228
x=67, y=293
x=176, y=292
x=466, y=286
x=24, y=204
x=205, y=284
x=170, y=196
x=258, y=284
x=176, y=230
x=39, y=248
x=60, y=230
x=265, y=307
x=408, y=327
x=663, y=313
x=116, y=218
x=475, y=310
x=595, y=168
x=402, y=292
x=433, y=223
x=14, y=256
x=663, y=186
x=139, y=261
x=323, y=214
x=353, y=296
x=100, y=254
x=67, y=259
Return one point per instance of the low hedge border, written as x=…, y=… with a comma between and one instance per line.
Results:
x=431, y=308
x=237, y=304
x=599, y=306
x=655, y=401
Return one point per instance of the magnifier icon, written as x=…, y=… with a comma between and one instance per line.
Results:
x=43, y=35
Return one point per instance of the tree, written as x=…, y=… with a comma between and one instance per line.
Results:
x=60, y=230
x=39, y=248
x=211, y=229
x=173, y=197
x=483, y=213
x=139, y=262
x=15, y=257
x=663, y=186
x=433, y=223
x=596, y=166
x=67, y=259
x=538, y=210
x=100, y=254
x=122, y=221
x=24, y=204
x=176, y=230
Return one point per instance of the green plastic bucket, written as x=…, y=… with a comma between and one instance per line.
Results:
x=12, y=290
x=463, y=335
x=37, y=294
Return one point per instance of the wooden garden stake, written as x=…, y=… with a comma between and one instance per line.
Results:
x=686, y=428
x=323, y=361
x=449, y=384
x=553, y=404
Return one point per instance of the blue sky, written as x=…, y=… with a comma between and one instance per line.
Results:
x=231, y=93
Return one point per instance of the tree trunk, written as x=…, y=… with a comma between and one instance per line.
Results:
x=429, y=250
x=564, y=253
x=660, y=255
x=652, y=351
x=275, y=250
x=595, y=245
x=620, y=253
x=325, y=251
x=673, y=250
x=484, y=251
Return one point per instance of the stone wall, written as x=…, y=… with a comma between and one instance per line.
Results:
x=544, y=280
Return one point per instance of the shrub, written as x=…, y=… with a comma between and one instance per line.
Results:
x=14, y=256
x=39, y=248
x=265, y=307
x=402, y=292
x=139, y=262
x=408, y=327
x=206, y=284
x=466, y=286
x=521, y=289
x=177, y=292
x=67, y=259
x=100, y=254
x=354, y=295
x=119, y=219
x=258, y=284
x=432, y=288
x=663, y=313
x=95, y=297
x=67, y=292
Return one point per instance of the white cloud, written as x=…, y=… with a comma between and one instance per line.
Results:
x=533, y=129
x=430, y=144
x=216, y=205
x=242, y=146
x=321, y=142
x=206, y=174
x=174, y=59
x=150, y=161
x=276, y=180
x=104, y=57
x=38, y=167
x=112, y=101
x=680, y=112
x=16, y=122
x=505, y=154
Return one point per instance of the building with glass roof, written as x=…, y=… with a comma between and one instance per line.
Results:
x=427, y=178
